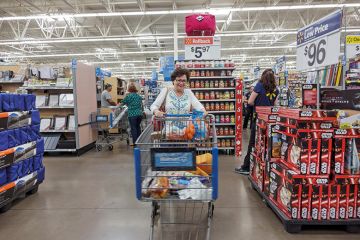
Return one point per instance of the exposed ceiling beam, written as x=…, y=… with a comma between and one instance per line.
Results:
x=150, y=24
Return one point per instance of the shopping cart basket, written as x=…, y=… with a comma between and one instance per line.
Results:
x=178, y=172
x=111, y=118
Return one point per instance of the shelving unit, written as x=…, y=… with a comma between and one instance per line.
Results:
x=83, y=88
x=218, y=100
x=215, y=77
x=12, y=85
x=353, y=74
x=217, y=93
x=56, y=107
x=117, y=94
x=211, y=68
x=207, y=89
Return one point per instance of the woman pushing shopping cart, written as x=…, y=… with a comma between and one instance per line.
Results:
x=176, y=169
x=176, y=164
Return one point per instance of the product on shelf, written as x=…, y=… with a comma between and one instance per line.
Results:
x=347, y=151
x=66, y=100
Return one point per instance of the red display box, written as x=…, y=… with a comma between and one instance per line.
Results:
x=257, y=170
x=291, y=191
x=308, y=114
x=347, y=151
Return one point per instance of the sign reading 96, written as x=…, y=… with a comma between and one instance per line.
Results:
x=319, y=53
x=315, y=53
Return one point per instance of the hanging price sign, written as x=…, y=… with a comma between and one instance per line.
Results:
x=352, y=46
x=318, y=44
x=202, y=48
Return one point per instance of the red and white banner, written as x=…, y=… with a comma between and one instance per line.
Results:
x=238, y=116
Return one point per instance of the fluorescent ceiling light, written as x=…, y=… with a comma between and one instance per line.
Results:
x=216, y=11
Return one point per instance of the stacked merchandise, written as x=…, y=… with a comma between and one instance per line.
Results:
x=330, y=76
x=213, y=84
x=313, y=171
x=153, y=92
x=353, y=75
x=21, y=148
x=263, y=155
x=295, y=83
x=49, y=76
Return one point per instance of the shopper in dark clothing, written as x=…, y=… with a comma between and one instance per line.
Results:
x=249, y=109
x=135, y=111
x=264, y=94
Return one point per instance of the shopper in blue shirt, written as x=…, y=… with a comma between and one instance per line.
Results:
x=264, y=94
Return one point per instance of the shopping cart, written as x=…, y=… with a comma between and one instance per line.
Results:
x=107, y=119
x=178, y=176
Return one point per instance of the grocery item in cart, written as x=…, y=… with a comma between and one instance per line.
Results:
x=201, y=127
x=204, y=162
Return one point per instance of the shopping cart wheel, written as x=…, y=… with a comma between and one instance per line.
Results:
x=211, y=208
x=6, y=207
x=98, y=148
x=111, y=147
x=34, y=190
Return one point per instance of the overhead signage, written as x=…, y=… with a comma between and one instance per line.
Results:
x=202, y=48
x=257, y=72
x=352, y=45
x=280, y=65
x=318, y=44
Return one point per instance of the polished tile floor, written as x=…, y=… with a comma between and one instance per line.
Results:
x=92, y=197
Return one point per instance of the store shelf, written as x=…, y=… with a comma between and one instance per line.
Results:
x=213, y=68
x=226, y=148
x=229, y=136
x=206, y=89
x=215, y=77
x=11, y=82
x=251, y=80
x=60, y=150
x=56, y=107
x=218, y=100
x=47, y=88
x=224, y=124
x=58, y=131
x=221, y=111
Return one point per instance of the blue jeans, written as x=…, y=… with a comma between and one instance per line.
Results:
x=135, y=127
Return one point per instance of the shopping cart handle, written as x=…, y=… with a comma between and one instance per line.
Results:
x=177, y=115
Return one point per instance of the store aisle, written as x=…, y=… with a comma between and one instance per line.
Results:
x=92, y=198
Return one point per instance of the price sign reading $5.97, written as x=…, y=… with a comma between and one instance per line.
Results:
x=202, y=48
x=198, y=51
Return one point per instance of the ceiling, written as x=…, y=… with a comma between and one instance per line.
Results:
x=128, y=36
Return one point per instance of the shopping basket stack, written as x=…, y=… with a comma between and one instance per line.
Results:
x=21, y=148
x=176, y=168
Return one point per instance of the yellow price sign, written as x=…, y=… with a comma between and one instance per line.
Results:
x=351, y=39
